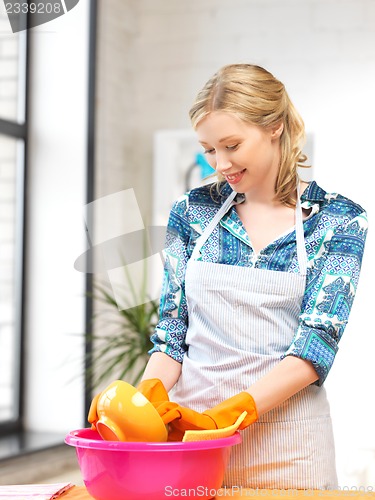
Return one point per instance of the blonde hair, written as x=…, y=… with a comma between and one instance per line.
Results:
x=257, y=97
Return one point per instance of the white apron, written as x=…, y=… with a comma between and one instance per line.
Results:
x=241, y=321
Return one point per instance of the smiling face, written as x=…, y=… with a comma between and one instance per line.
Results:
x=248, y=156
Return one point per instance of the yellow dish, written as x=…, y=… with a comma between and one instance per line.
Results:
x=125, y=414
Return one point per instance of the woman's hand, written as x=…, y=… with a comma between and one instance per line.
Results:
x=92, y=416
x=180, y=419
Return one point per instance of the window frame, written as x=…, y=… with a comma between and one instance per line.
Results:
x=18, y=130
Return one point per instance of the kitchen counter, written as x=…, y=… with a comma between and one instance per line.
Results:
x=80, y=493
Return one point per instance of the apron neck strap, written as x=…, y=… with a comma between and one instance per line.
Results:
x=210, y=227
x=300, y=237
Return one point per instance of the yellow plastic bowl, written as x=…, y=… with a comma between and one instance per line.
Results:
x=125, y=414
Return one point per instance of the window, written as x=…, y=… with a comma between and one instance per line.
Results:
x=12, y=176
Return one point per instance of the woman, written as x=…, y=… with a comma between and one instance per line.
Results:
x=260, y=275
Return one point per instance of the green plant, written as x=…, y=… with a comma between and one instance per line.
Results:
x=121, y=351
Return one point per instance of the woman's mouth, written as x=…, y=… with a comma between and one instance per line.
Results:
x=235, y=178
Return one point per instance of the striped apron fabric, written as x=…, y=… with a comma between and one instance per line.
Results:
x=241, y=321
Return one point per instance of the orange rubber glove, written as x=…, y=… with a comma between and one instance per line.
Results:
x=227, y=412
x=181, y=419
x=153, y=389
x=92, y=416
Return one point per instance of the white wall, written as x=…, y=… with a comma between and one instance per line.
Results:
x=153, y=57
x=56, y=197
x=323, y=50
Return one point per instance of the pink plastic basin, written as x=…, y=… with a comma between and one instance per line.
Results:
x=114, y=470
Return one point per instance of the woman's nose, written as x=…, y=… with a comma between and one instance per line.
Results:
x=222, y=163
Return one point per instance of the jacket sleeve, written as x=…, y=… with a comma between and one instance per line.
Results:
x=170, y=332
x=330, y=291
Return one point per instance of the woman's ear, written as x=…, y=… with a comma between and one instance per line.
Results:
x=277, y=130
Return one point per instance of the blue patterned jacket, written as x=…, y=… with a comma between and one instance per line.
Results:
x=335, y=232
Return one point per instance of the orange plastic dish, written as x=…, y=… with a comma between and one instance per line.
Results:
x=125, y=414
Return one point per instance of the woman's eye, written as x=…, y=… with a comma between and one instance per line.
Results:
x=209, y=151
x=233, y=148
